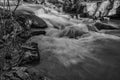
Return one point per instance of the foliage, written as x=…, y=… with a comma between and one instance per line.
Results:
x=14, y=52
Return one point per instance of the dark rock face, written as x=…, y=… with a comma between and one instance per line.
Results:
x=29, y=1
x=102, y=26
x=35, y=22
x=31, y=25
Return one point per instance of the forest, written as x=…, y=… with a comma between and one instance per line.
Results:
x=59, y=40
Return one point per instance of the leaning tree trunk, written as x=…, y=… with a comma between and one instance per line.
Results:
x=97, y=7
x=109, y=7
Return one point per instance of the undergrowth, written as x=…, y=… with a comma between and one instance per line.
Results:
x=11, y=46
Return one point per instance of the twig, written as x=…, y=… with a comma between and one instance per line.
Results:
x=17, y=6
x=8, y=5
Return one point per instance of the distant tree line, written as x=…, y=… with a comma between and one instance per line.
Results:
x=78, y=7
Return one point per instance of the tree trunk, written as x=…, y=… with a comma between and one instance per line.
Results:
x=97, y=7
x=109, y=7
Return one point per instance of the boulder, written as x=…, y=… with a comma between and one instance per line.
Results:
x=74, y=31
x=104, y=26
x=33, y=21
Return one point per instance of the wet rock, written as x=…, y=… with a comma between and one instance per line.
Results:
x=104, y=26
x=31, y=26
x=25, y=35
x=30, y=1
x=33, y=21
x=38, y=32
x=74, y=31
